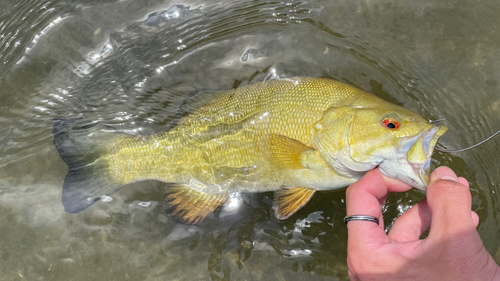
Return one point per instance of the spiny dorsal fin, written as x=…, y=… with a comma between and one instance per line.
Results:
x=286, y=151
x=189, y=206
x=287, y=201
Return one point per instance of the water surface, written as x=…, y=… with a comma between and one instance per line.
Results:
x=131, y=64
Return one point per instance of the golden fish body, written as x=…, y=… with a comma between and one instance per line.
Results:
x=228, y=142
x=303, y=133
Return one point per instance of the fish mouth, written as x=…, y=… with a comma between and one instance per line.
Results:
x=420, y=152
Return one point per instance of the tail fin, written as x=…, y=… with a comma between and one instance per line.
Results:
x=81, y=145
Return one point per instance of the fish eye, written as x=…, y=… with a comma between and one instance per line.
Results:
x=390, y=123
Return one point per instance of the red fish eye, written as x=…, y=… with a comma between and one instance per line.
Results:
x=390, y=123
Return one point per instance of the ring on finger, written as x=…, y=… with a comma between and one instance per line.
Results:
x=361, y=218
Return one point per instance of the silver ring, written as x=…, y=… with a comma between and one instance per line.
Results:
x=361, y=218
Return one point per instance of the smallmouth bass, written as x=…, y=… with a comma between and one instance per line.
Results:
x=292, y=136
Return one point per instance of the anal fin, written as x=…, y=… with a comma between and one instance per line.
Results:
x=190, y=206
x=287, y=201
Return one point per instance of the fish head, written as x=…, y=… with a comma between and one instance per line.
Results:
x=400, y=142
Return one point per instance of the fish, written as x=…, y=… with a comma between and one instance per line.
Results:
x=293, y=136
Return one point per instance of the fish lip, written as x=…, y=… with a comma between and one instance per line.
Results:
x=430, y=139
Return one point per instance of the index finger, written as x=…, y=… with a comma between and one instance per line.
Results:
x=366, y=197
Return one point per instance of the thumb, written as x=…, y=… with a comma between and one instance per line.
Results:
x=449, y=201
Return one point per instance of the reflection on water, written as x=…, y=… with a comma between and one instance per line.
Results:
x=132, y=64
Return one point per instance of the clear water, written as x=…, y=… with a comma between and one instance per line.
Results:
x=130, y=64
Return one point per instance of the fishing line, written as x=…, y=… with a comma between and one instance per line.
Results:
x=470, y=147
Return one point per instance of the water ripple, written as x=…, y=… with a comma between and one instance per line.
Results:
x=21, y=24
x=134, y=65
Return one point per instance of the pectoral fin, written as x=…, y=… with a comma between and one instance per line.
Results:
x=287, y=201
x=190, y=206
x=285, y=152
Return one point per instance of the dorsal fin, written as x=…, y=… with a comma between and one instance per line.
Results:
x=285, y=152
x=287, y=201
x=190, y=206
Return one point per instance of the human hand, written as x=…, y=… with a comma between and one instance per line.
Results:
x=453, y=249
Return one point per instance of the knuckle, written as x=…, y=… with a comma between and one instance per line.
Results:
x=446, y=188
x=350, y=193
x=353, y=191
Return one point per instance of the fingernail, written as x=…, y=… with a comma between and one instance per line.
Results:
x=445, y=173
x=449, y=178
